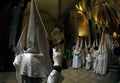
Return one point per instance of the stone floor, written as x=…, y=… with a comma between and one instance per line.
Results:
x=7, y=77
x=83, y=76
x=72, y=76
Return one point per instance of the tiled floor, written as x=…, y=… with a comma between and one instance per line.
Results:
x=72, y=76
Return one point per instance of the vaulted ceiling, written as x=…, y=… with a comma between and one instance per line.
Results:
x=104, y=11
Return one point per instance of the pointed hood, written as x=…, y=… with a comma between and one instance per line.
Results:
x=77, y=43
x=86, y=44
x=21, y=42
x=96, y=42
x=81, y=44
x=93, y=44
x=37, y=38
x=101, y=42
x=89, y=45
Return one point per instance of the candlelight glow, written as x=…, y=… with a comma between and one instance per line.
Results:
x=114, y=35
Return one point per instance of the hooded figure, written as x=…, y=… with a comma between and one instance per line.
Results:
x=88, y=60
x=95, y=51
x=55, y=76
x=76, y=56
x=33, y=64
x=82, y=53
x=95, y=57
x=102, y=59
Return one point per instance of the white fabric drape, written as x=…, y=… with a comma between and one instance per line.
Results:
x=19, y=51
x=96, y=42
x=40, y=35
x=95, y=59
x=81, y=44
x=55, y=77
x=86, y=44
x=34, y=39
x=102, y=58
x=57, y=57
x=76, y=54
x=88, y=61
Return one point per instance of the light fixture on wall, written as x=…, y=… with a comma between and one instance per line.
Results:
x=115, y=35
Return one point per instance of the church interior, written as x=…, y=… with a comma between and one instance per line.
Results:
x=83, y=24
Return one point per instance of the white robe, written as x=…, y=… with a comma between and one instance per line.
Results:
x=31, y=66
x=75, y=63
x=79, y=61
x=101, y=60
x=88, y=61
x=57, y=57
x=103, y=56
x=106, y=62
x=95, y=60
x=34, y=39
x=102, y=64
x=17, y=63
x=55, y=77
x=82, y=58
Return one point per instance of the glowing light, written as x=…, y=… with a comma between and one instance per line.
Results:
x=115, y=35
x=79, y=7
x=96, y=19
x=79, y=12
x=83, y=28
x=82, y=33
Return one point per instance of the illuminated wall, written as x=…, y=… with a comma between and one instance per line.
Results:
x=83, y=29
